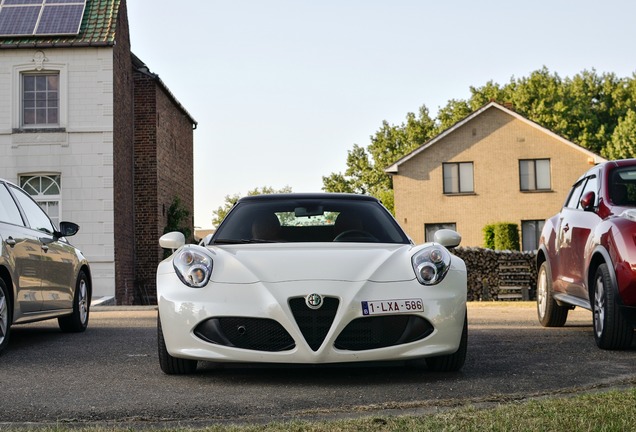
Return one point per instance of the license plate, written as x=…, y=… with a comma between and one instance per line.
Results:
x=379, y=307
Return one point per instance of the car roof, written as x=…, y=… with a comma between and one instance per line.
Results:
x=608, y=165
x=310, y=196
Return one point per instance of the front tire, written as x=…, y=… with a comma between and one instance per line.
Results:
x=548, y=310
x=5, y=315
x=78, y=320
x=172, y=365
x=611, y=330
x=451, y=362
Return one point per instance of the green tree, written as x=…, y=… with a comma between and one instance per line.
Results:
x=623, y=142
x=177, y=219
x=219, y=214
x=586, y=109
x=365, y=166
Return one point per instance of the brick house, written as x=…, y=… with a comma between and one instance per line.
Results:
x=101, y=150
x=493, y=166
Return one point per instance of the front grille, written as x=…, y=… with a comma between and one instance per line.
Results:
x=259, y=334
x=382, y=331
x=314, y=324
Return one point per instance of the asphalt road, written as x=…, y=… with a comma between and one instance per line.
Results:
x=110, y=375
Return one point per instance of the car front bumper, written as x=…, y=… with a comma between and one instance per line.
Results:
x=183, y=310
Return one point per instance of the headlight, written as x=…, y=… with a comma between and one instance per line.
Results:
x=193, y=267
x=431, y=264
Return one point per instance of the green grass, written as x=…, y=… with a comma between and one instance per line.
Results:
x=610, y=411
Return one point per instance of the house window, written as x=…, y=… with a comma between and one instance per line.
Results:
x=534, y=175
x=45, y=189
x=458, y=177
x=40, y=99
x=530, y=234
x=431, y=229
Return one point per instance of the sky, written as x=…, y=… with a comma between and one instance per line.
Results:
x=283, y=89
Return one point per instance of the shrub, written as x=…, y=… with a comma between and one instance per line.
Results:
x=489, y=236
x=501, y=236
x=506, y=236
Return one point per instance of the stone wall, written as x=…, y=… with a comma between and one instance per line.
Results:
x=499, y=275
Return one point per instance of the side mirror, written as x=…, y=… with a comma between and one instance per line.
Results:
x=68, y=229
x=587, y=201
x=447, y=238
x=173, y=240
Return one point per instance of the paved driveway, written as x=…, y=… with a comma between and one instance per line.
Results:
x=111, y=374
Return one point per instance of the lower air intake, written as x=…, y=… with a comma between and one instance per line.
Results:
x=382, y=331
x=259, y=334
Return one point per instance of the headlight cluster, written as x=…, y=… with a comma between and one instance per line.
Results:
x=193, y=267
x=431, y=264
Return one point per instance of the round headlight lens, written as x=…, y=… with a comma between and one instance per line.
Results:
x=187, y=258
x=436, y=256
x=427, y=272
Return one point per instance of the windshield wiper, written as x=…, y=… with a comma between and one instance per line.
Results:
x=242, y=241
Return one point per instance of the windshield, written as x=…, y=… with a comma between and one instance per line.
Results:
x=309, y=220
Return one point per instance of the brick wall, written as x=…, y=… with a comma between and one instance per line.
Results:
x=163, y=170
x=494, y=141
x=123, y=135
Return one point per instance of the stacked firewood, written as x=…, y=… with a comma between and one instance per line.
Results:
x=485, y=274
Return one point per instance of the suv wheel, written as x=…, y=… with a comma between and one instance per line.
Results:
x=549, y=312
x=611, y=330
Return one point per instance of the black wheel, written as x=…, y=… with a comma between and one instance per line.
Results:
x=549, y=312
x=5, y=315
x=78, y=320
x=172, y=365
x=611, y=330
x=451, y=362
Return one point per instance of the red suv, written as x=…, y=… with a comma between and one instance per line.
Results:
x=587, y=255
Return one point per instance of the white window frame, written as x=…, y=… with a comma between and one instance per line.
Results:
x=46, y=94
x=44, y=200
x=18, y=72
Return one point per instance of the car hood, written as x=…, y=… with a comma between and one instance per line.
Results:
x=283, y=262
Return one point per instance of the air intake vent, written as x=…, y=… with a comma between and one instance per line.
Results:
x=314, y=324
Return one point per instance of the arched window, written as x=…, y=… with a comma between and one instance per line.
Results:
x=46, y=190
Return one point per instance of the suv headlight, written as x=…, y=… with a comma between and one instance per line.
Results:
x=431, y=264
x=193, y=266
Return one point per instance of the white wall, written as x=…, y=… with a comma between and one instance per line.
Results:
x=83, y=153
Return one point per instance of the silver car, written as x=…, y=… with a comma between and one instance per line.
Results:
x=42, y=276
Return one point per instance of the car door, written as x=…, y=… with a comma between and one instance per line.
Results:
x=577, y=225
x=58, y=258
x=21, y=255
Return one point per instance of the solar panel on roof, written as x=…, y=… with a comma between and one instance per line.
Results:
x=60, y=20
x=22, y=2
x=41, y=17
x=19, y=21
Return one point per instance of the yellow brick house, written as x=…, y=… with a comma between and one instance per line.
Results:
x=493, y=166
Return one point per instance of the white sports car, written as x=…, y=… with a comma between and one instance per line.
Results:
x=311, y=279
